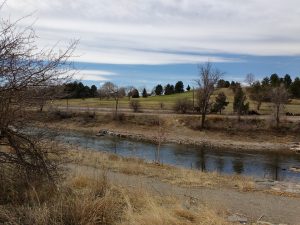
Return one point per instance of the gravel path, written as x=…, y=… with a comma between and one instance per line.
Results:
x=273, y=208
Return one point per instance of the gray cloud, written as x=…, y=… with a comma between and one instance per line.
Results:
x=144, y=32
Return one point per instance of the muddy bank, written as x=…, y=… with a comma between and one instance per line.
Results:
x=216, y=144
x=185, y=137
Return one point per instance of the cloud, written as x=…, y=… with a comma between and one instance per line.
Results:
x=93, y=75
x=158, y=31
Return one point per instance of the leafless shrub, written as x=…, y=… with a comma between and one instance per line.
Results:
x=120, y=117
x=23, y=71
x=135, y=105
x=279, y=97
x=182, y=105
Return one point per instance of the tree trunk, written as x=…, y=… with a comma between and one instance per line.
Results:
x=203, y=120
x=117, y=102
x=277, y=116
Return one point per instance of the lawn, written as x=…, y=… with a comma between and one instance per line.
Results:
x=168, y=101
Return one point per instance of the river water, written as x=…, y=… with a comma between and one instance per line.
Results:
x=273, y=166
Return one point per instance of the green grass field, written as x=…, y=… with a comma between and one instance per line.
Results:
x=168, y=101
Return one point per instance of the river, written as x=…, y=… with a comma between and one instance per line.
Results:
x=273, y=166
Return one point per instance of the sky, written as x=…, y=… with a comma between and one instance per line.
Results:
x=146, y=42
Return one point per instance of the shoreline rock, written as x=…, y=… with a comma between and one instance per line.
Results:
x=259, y=147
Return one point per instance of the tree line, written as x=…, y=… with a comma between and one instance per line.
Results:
x=79, y=90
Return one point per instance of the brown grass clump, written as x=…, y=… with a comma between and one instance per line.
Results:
x=92, y=200
x=80, y=200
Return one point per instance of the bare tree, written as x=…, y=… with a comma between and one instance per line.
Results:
x=40, y=96
x=111, y=90
x=279, y=97
x=209, y=77
x=23, y=69
x=250, y=79
x=159, y=138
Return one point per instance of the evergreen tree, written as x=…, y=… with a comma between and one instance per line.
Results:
x=188, y=88
x=158, y=90
x=135, y=93
x=287, y=81
x=257, y=93
x=239, y=105
x=274, y=80
x=169, y=89
x=179, y=87
x=295, y=88
x=145, y=94
x=93, y=91
x=220, y=103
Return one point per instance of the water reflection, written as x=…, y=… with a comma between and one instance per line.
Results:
x=272, y=166
x=238, y=165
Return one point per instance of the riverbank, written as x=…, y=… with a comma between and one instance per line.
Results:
x=173, y=129
x=230, y=195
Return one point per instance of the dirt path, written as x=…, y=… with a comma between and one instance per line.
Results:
x=273, y=208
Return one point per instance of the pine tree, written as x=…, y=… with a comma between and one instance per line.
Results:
x=239, y=105
x=220, y=103
x=179, y=87
x=188, y=88
x=145, y=94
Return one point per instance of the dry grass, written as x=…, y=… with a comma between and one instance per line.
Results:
x=173, y=175
x=83, y=200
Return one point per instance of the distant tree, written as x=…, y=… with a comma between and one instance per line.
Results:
x=265, y=82
x=295, y=88
x=234, y=86
x=122, y=92
x=179, y=87
x=223, y=84
x=239, y=103
x=145, y=94
x=111, y=90
x=129, y=90
x=169, y=89
x=101, y=94
x=227, y=84
x=250, y=78
x=85, y=92
x=78, y=90
x=135, y=93
x=93, y=91
x=158, y=90
x=287, y=80
x=208, y=78
x=188, y=88
x=279, y=97
x=182, y=105
x=274, y=80
x=257, y=93
x=220, y=103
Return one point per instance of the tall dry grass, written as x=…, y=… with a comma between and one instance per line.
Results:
x=82, y=200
